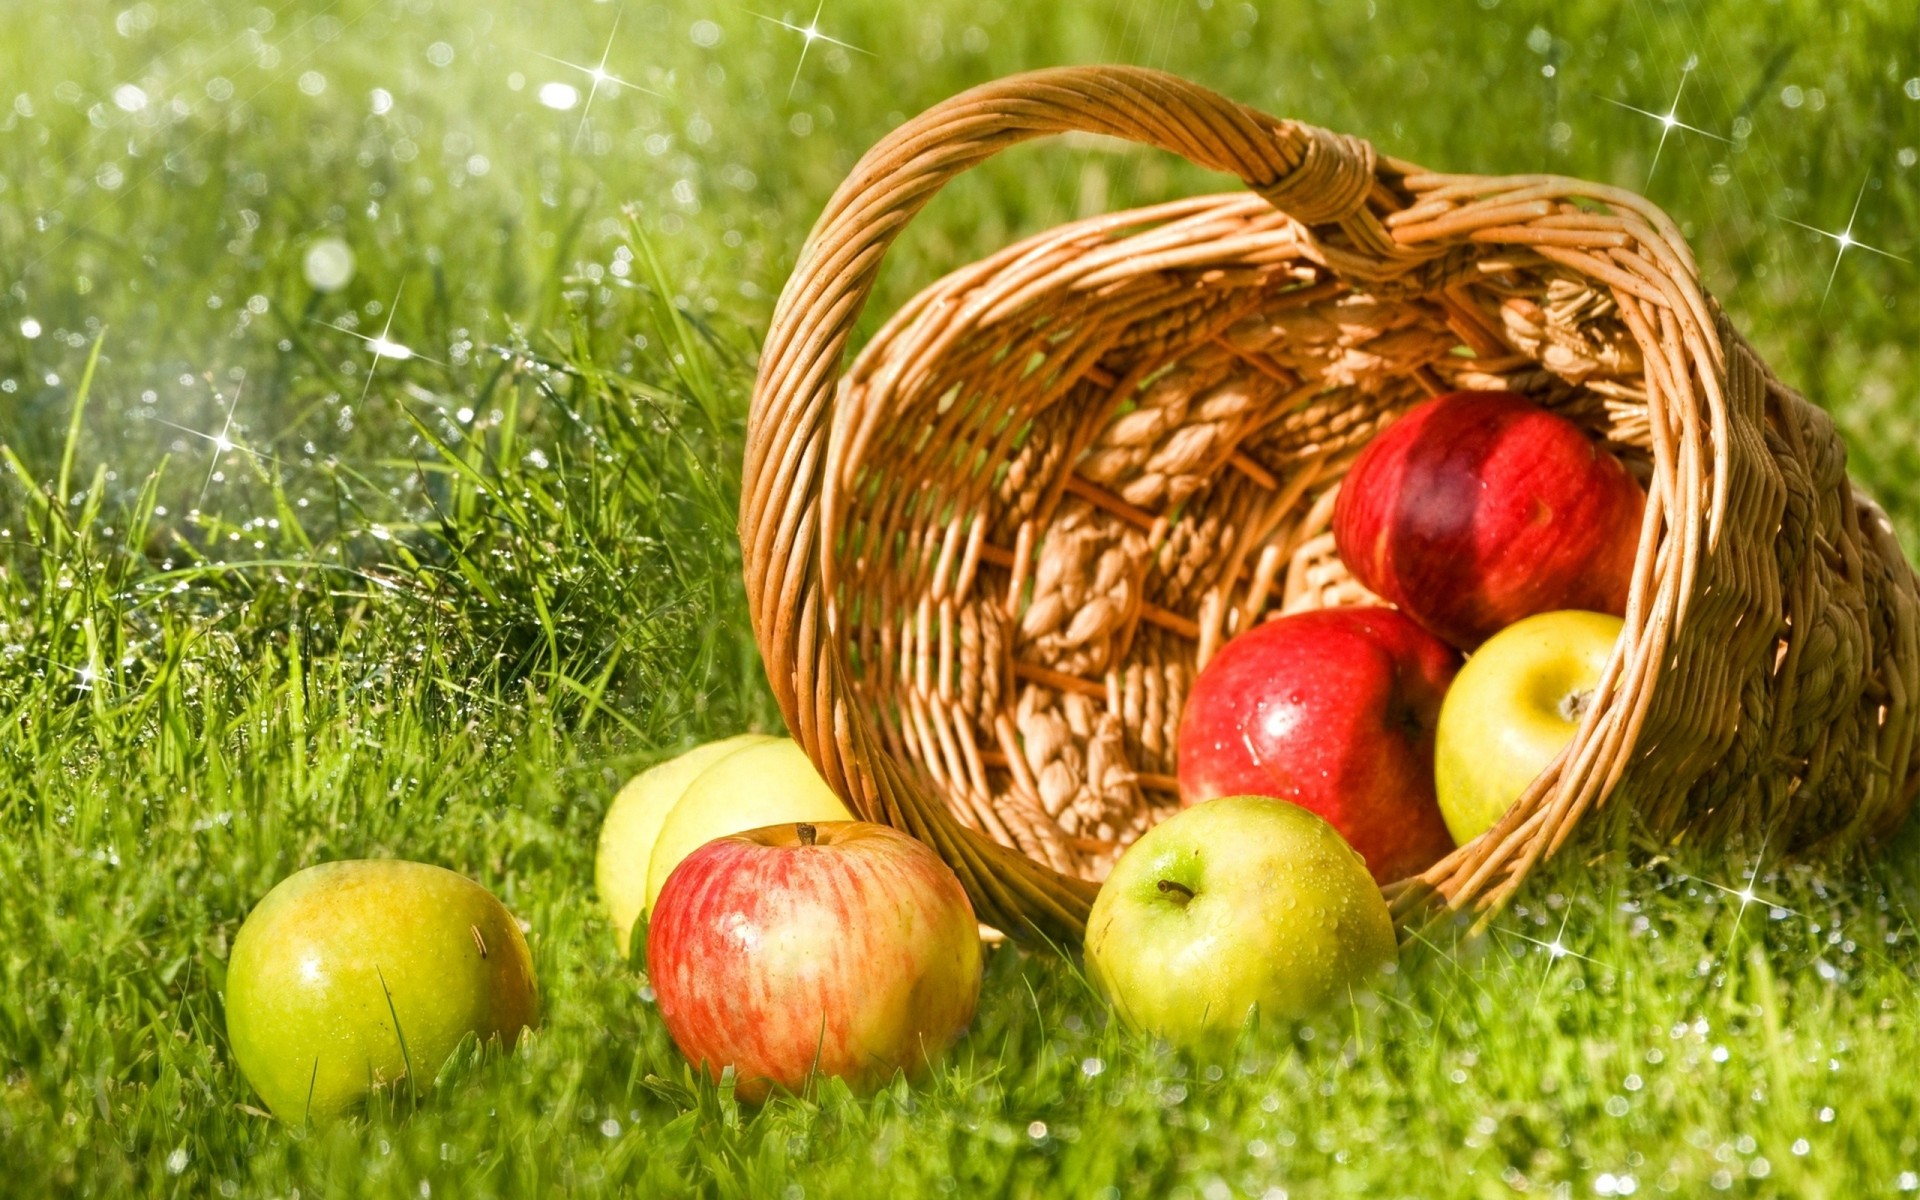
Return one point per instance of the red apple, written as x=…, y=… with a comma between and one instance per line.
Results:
x=1478, y=509
x=837, y=948
x=1334, y=710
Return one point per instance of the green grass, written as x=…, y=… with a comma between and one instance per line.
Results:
x=444, y=615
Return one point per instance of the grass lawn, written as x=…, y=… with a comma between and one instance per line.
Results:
x=269, y=598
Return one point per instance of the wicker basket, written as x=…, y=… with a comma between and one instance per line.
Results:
x=985, y=563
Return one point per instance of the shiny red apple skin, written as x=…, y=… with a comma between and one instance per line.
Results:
x=853, y=955
x=1335, y=711
x=1479, y=509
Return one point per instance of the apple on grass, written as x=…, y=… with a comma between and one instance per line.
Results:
x=1513, y=708
x=354, y=975
x=773, y=783
x=841, y=948
x=1478, y=509
x=1335, y=711
x=633, y=825
x=1243, y=905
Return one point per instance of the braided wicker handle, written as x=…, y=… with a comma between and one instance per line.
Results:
x=1315, y=176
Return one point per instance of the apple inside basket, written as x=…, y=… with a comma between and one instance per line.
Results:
x=986, y=563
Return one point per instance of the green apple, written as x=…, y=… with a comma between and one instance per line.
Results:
x=1233, y=907
x=633, y=824
x=354, y=975
x=1511, y=709
x=770, y=784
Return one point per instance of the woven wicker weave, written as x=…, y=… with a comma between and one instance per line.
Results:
x=985, y=563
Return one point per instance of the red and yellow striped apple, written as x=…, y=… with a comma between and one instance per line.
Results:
x=1477, y=509
x=1335, y=711
x=840, y=948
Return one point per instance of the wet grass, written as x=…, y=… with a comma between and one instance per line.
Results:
x=268, y=599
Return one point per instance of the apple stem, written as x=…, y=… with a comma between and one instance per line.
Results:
x=1169, y=886
x=807, y=833
x=1575, y=706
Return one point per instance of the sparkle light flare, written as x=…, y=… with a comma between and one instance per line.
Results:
x=809, y=34
x=1668, y=120
x=84, y=677
x=1845, y=240
x=222, y=441
x=1555, y=950
x=598, y=73
x=1745, y=895
x=382, y=343
x=383, y=347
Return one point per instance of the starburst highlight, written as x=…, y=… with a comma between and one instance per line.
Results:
x=1668, y=120
x=382, y=343
x=1845, y=240
x=598, y=75
x=809, y=34
x=1556, y=950
x=223, y=443
x=1745, y=895
x=84, y=677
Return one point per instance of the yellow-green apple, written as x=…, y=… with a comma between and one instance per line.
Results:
x=1238, y=906
x=1333, y=710
x=841, y=948
x=769, y=784
x=1477, y=509
x=1513, y=707
x=633, y=824
x=354, y=975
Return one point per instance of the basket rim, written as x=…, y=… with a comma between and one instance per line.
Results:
x=1381, y=222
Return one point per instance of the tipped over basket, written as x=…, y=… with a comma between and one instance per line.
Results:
x=986, y=561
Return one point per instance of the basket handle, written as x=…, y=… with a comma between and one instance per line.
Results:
x=1315, y=176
